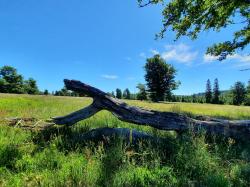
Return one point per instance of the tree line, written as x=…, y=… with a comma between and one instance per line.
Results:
x=160, y=82
x=238, y=94
x=12, y=82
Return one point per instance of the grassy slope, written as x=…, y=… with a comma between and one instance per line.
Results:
x=52, y=158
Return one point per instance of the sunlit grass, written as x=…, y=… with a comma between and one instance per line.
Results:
x=57, y=158
x=48, y=106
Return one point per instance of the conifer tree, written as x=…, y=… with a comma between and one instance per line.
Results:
x=126, y=94
x=208, y=93
x=216, y=92
x=118, y=93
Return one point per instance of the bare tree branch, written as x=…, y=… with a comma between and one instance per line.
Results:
x=155, y=119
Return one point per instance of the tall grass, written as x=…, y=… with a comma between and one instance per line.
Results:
x=58, y=158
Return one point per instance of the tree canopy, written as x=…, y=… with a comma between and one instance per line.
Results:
x=118, y=93
x=142, y=95
x=239, y=93
x=190, y=17
x=126, y=94
x=12, y=82
x=160, y=78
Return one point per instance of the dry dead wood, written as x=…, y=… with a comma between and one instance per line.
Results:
x=159, y=120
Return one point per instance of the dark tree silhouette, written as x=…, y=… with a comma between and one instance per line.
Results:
x=118, y=93
x=126, y=94
x=216, y=92
x=208, y=93
x=46, y=92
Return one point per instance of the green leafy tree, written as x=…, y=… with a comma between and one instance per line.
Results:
x=190, y=17
x=216, y=92
x=30, y=86
x=239, y=93
x=65, y=92
x=248, y=87
x=126, y=94
x=11, y=81
x=208, y=93
x=194, y=98
x=160, y=78
x=3, y=84
x=46, y=92
x=118, y=93
x=247, y=100
x=142, y=95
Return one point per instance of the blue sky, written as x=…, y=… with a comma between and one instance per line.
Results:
x=105, y=44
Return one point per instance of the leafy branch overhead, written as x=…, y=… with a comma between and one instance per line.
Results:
x=190, y=17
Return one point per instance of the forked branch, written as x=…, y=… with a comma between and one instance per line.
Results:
x=155, y=119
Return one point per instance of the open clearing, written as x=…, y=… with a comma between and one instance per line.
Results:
x=57, y=158
x=43, y=107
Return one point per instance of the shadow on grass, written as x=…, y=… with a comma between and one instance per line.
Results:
x=192, y=156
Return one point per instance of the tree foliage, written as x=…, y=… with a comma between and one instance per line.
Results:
x=142, y=95
x=126, y=94
x=46, y=92
x=160, y=78
x=12, y=82
x=216, y=92
x=208, y=93
x=31, y=86
x=118, y=93
x=190, y=17
x=239, y=93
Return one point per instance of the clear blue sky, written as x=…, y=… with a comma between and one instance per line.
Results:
x=105, y=44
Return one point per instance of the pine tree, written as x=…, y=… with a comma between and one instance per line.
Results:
x=208, y=93
x=126, y=94
x=118, y=93
x=216, y=92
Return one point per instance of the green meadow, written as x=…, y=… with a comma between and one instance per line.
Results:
x=56, y=157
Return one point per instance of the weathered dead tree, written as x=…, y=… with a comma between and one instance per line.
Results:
x=159, y=120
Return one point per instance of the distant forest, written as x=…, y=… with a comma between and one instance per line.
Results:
x=239, y=93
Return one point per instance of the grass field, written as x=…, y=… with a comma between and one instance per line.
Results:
x=53, y=158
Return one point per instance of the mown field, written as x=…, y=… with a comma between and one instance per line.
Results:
x=57, y=158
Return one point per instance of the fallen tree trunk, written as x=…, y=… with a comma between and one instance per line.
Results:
x=156, y=119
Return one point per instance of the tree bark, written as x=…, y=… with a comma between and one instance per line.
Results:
x=155, y=119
